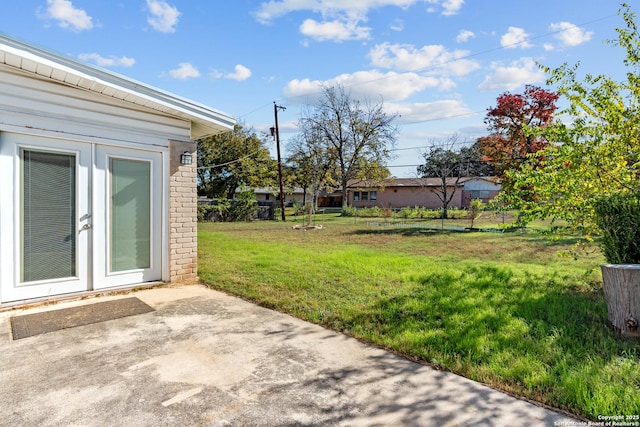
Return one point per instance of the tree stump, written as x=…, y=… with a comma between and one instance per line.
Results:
x=622, y=295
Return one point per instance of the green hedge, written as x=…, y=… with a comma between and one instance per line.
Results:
x=618, y=217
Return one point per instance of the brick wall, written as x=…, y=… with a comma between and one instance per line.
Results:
x=183, y=215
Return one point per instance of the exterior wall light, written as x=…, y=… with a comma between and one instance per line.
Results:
x=186, y=158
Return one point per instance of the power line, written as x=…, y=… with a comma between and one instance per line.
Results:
x=230, y=162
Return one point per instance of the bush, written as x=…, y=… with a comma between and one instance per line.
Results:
x=406, y=213
x=243, y=208
x=618, y=217
x=205, y=212
x=349, y=211
x=372, y=212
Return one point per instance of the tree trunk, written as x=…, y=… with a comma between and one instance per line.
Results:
x=622, y=295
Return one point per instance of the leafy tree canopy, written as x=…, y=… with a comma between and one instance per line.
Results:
x=228, y=160
x=597, y=154
x=508, y=144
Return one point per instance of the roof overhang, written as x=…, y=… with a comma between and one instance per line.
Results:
x=205, y=121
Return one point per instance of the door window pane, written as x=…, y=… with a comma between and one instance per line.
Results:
x=130, y=239
x=48, y=216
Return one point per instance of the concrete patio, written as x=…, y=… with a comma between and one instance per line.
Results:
x=203, y=358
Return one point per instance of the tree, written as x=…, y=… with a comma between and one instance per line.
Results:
x=508, y=144
x=451, y=165
x=228, y=160
x=598, y=154
x=357, y=136
x=312, y=165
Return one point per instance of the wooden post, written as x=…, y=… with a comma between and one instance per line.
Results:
x=622, y=294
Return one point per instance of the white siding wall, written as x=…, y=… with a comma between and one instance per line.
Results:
x=35, y=105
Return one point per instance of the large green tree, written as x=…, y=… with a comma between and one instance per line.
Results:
x=358, y=135
x=229, y=160
x=595, y=155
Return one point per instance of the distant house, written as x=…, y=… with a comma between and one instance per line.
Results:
x=267, y=194
x=423, y=192
x=297, y=195
x=97, y=177
x=484, y=188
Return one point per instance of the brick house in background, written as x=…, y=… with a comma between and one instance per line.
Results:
x=97, y=177
x=423, y=192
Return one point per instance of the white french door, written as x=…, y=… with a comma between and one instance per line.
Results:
x=76, y=216
x=127, y=216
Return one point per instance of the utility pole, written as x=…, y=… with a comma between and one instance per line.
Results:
x=277, y=107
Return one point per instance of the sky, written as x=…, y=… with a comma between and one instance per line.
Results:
x=436, y=64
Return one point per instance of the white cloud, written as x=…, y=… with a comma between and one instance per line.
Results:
x=341, y=19
x=427, y=111
x=436, y=58
x=67, y=15
x=112, y=61
x=164, y=17
x=569, y=34
x=391, y=86
x=464, y=35
x=509, y=77
x=334, y=30
x=450, y=7
x=397, y=25
x=185, y=71
x=273, y=9
x=515, y=37
x=241, y=73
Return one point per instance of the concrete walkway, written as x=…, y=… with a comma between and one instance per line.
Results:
x=207, y=359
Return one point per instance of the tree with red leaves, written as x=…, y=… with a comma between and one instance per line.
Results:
x=509, y=143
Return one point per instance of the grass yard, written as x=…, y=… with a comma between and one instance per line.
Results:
x=502, y=309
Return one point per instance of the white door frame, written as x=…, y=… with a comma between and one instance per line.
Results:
x=11, y=146
x=89, y=277
x=103, y=277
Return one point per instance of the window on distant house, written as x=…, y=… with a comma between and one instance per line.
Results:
x=373, y=195
x=365, y=195
x=356, y=196
x=266, y=197
x=480, y=194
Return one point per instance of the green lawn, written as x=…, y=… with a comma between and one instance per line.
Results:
x=502, y=309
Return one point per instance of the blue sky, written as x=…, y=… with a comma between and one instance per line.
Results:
x=439, y=64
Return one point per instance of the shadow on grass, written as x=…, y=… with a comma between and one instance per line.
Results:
x=537, y=336
x=547, y=239
x=405, y=231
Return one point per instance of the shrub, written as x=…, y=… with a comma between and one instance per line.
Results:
x=371, y=212
x=618, y=217
x=205, y=212
x=406, y=213
x=349, y=211
x=245, y=206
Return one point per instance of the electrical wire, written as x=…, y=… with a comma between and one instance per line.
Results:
x=230, y=162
